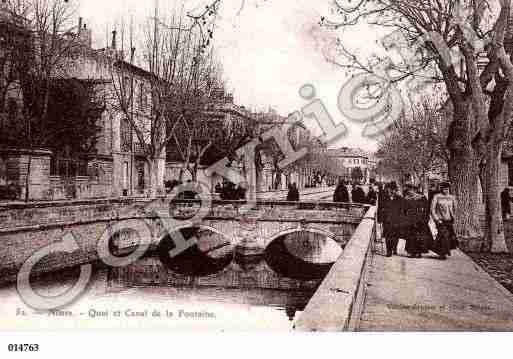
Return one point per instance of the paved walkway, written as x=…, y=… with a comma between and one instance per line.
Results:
x=428, y=294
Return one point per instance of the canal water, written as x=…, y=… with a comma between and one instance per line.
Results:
x=229, y=292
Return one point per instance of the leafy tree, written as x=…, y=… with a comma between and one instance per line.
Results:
x=73, y=111
x=46, y=55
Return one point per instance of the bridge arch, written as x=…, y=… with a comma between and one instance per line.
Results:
x=315, y=230
x=200, y=226
x=183, y=256
x=302, y=261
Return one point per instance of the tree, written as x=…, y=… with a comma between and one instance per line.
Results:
x=317, y=164
x=179, y=78
x=49, y=45
x=415, y=144
x=480, y=101
x=15, y=44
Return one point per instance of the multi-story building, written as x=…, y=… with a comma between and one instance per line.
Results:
x=118, y=166
x=351, y=158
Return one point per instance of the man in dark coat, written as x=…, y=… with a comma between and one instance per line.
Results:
x=505, y=203
x=295, y=192
x=372, y=196
x=290, y=194
x=358, y=195
x=391, y=215
x=341, y=194
x=416, y=229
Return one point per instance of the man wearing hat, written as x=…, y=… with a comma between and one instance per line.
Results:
x=391, y=215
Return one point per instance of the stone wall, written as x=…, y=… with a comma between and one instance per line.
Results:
x=16, y=168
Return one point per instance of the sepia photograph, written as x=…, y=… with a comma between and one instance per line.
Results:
x=264, y=166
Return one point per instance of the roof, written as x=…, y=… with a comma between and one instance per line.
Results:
x=348, y=152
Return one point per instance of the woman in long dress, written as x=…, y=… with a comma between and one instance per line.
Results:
x=443, y=209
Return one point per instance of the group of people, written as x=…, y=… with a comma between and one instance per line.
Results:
x=358, y=195
x=228, y=191
x=407, y=217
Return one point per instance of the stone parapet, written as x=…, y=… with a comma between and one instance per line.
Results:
x=337, y=304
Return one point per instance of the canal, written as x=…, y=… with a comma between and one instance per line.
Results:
x=208, y=287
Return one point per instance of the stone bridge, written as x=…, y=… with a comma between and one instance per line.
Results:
x=27, y=228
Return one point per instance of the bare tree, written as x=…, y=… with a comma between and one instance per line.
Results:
x=178, y=75
x=416, y=143
x=481, y=101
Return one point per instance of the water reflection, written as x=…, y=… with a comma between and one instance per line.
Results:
x=302, y=255
x=211, y=253
x=249, y=283
x=265, y=292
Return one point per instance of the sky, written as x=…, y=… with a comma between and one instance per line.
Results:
x=268, y=50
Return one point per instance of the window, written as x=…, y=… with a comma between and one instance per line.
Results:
x=68, y=167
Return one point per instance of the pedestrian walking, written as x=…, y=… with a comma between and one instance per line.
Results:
x=290, y=194
x=341, y=194
x=358, y=195
x=505, y=203
x=372, y=196
x=411, y=220
x=391, y=215
x=417, y=232
x=443, y=209
x=295, y=192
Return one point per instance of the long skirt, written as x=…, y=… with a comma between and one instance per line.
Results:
x=425, y=238
x=419, y=239
x=446, y=238
x=412, y=240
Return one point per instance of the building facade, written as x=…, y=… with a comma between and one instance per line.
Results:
x=349, y=159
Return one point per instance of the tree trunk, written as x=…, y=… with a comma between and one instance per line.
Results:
x=495, y=240
x=29, y=164
x=27, y=178
x=463, y=174
x=155, y=176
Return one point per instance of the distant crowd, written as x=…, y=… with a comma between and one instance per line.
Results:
x=344, y=189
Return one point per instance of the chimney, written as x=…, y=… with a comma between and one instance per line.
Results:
x=113, y=45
